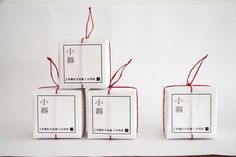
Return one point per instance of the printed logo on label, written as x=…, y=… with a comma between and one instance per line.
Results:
x=56, y=113
x=191, y=113
x=82, y=63
x=111, y=115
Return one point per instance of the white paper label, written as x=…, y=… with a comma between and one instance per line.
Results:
x=111, y=114
x=56, y=114
x=82, y=63
x=191, y=113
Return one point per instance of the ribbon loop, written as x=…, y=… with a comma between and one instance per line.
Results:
x=90, y=18
x=51, y=63
x=198, y=65
x=51, y=73
x=121, y=69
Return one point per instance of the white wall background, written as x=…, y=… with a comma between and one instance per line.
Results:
x=164, y=38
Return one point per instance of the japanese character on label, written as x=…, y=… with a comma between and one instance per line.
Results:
x=70, y=59
x=179, y=109
x=99, y=102
x=99, y=110
x=179, y=100
x=44, y=101
x=44, y=109
x=70, y=51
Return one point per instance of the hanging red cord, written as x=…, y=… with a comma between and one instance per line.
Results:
x=51, y=63
x=90, y=18
x=199, y=64
x=122, y=68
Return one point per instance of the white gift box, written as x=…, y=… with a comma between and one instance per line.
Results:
x=190, y=114
x=86, y=64
x=112, y=116
x=58, y=115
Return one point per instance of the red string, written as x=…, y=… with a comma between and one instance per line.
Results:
x=87, y=35
x=110, y=61
x=51, y=63
x=90, y=17
x=84, y=102
x=189, y=83
x=199, y=64
x=121, y=69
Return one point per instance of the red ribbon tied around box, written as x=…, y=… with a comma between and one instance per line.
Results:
x=87, y=35
x=52, y=64
x=189, y=84
x=112, y=84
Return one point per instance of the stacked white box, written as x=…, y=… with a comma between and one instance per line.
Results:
x=84, y=65
x=190, y=114
x=190, y=110
x=58, y=115
x=112, y=116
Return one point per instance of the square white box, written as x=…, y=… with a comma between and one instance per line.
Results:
x=58, y=115
x=86, y=64
x=190, y=114
x=111, y=116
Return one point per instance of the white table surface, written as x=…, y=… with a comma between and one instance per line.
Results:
x=164, y=38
